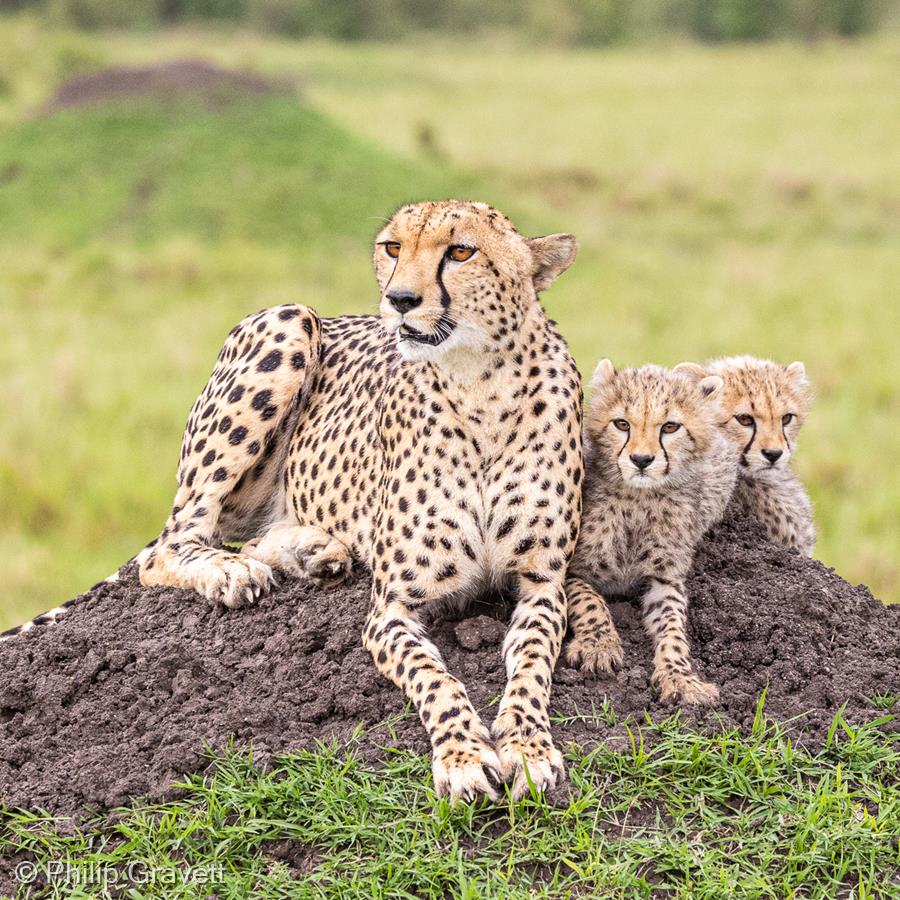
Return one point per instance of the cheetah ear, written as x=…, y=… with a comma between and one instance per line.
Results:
x=693, y=371
x=551, y=255
x=797, y=371
x=710, y=386
x=604, y=373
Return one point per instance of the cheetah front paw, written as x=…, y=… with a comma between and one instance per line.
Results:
x=523, y=758
x=688, y=690
x=465, y=770
x=599, y=654
x=234, y=580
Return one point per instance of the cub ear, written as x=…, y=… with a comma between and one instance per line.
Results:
x=797, y=371
x=604, y=373
x=551, y=255
x=693, y=371
x=710, y=386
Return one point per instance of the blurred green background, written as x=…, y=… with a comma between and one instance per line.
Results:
x=730, y=168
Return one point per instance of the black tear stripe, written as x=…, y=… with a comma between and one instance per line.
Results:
x=662, y=447
x=445, y=294
x=619, y=454
x=746, y=449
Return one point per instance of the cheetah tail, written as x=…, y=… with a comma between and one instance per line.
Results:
x=53, y=615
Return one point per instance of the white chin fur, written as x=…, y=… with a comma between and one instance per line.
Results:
x=763, y=468
x=632, y=479
x=463, y=338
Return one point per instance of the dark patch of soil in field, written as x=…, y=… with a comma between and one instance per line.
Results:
x=120, y=698
x=212, y=86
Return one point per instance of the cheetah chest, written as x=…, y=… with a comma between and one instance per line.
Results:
x=467, y=503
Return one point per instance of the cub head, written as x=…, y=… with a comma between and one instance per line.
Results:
x=456, y=274
x=649, y=426
x=764, y=406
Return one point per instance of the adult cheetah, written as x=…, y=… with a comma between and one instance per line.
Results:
x=439, y=446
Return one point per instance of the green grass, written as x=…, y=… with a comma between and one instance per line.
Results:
x=730, y=199
x=680, y=815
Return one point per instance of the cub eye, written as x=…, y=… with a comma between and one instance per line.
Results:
x=745, y=420
x=787, y=418
x=621, y=424
x=671, y=427
x=392, y=248
x=459, y=253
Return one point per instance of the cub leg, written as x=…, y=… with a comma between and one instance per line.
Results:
x=595, y=644
x=237, y=431
x=665, y=619
x=302, y=550
x=464, y=763
x=531, y=647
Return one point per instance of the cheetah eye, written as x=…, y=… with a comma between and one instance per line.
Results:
x=392, y=248
x=459, y=253
x=745, y=420
x=787, y=418
x=621, y=424
x=671, y=427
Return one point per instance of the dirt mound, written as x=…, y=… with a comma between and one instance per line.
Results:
x=165, y=82
x=122, y=695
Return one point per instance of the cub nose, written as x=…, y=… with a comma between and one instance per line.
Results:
x=641, y=460
x=772, y=455
x=403, y=301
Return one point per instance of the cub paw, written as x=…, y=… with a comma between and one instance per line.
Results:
x=600, y=654
x=527, y=757
x=687, y=689
x=466, y=770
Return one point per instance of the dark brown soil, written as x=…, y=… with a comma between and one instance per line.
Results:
x=211, y=85
x=121, y=696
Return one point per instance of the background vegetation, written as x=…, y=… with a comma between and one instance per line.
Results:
x=739, y=197
x=579, y=22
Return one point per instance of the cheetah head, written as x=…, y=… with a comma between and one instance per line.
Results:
x=457, y=275
x=764, y=406
x=648, y=427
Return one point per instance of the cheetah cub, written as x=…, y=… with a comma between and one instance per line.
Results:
x=658, y=472
x=764, y=406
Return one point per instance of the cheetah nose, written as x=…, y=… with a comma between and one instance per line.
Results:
x=403, y=301
x=641, y=460
x=772, y=455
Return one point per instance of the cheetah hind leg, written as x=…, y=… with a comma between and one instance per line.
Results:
x=232, y=457
x=303, y=551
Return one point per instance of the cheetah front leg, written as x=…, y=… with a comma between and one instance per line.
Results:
x=231, y=457
x=595, y=645
x=665, y=619
x=531, y=647
x=464, y=763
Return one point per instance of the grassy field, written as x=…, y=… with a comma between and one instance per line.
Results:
x=739, y=199
x=686, y=816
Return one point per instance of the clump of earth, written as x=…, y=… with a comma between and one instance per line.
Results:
x=198, y=80
x=120, y=697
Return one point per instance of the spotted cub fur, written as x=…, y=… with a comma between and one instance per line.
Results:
x=658, y=472
x=765, y=405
